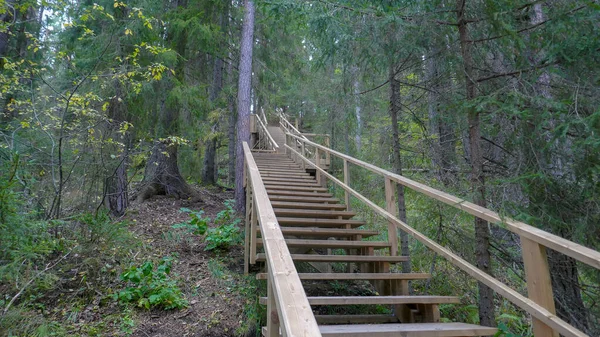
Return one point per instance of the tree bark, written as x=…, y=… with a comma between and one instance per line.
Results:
x=244, y=101
x=162, y=176
x=482, y=232
x=443, y=144
x=395, y=107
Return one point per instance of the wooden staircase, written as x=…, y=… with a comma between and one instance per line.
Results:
x=321, y=233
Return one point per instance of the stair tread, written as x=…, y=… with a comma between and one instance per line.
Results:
x=332, y=243
x=291, y=198
x=407, y=330
x=309, y=183
x=356, y=319
x=341, y=258
x=383, y=300
x=296, y=188
x=299, y=193
x=313, y=222
x=329, y=232
x=312, y=212
x=296, y=205
x=356, y=276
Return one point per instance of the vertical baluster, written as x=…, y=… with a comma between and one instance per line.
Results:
x=272, y=316
x=391, y=208
x=253, y=222
x=303, y=155
x=347, y=182
x=539, y=286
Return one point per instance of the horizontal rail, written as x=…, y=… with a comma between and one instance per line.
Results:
x=564, y=246
x=293, y=309
x=537, y=311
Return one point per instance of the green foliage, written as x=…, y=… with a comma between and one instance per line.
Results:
x=227, y=232
x=197, y=225
x=151, y=287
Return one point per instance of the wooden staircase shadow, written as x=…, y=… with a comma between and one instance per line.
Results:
x=317, y=227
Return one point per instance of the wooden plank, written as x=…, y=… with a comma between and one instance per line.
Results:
x=539, y=285
x=272, y=316
x=290, y=198
x=298, y=188
x=309, y=183
x=521, y=301
x=347, y=182
x=287, y=178
x=327, y=232
x=311, y=222
x=572, y=249
x=356, y=276
x=391, y=208
x=292, y=305
x=406, y=330
x=370, y=300
x=356, y=319
x=290, y=212
x=332, y=243
x=299, y=193
x=302, y=205
x=343, y=258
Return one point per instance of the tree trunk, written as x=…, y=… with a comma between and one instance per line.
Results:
x=397, y=157
x=244, y=101
x=231, y=130
x=482, y=232
x=357, y=108
x=162, y=176
x=443, y=144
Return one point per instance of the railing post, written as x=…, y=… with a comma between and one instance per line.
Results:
x=539, y=285
x=347, y=183
x=390, y=206
x=303, y=155
x=327, y=154
x=272, y=316
x=253, y=222
x=247, y=225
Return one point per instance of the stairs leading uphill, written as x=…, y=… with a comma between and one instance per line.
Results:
x=322, y=233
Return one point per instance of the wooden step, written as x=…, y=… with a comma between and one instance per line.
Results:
x=404, y=330
x=310, y=213
x=296, y=188
x=355, y=319
x=271, y=192
x=382, y=300
x=311, y=222
x=333, y=244
x=308, y=183
x=326, y=232
x=267, y=177
x=301, y=205
x=356, y=276
x=279, y=167
x=341, y=258
x=292, y=198
x=285, y=173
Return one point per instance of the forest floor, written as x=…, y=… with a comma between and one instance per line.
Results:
x=210, y=281
x=78, y=297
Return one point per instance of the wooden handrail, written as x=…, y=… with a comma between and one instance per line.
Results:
x=545, y=319
x=285, y=291
x=272, y=144
x=564, y=246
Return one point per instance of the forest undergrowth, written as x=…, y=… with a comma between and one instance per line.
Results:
x=168, y=268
